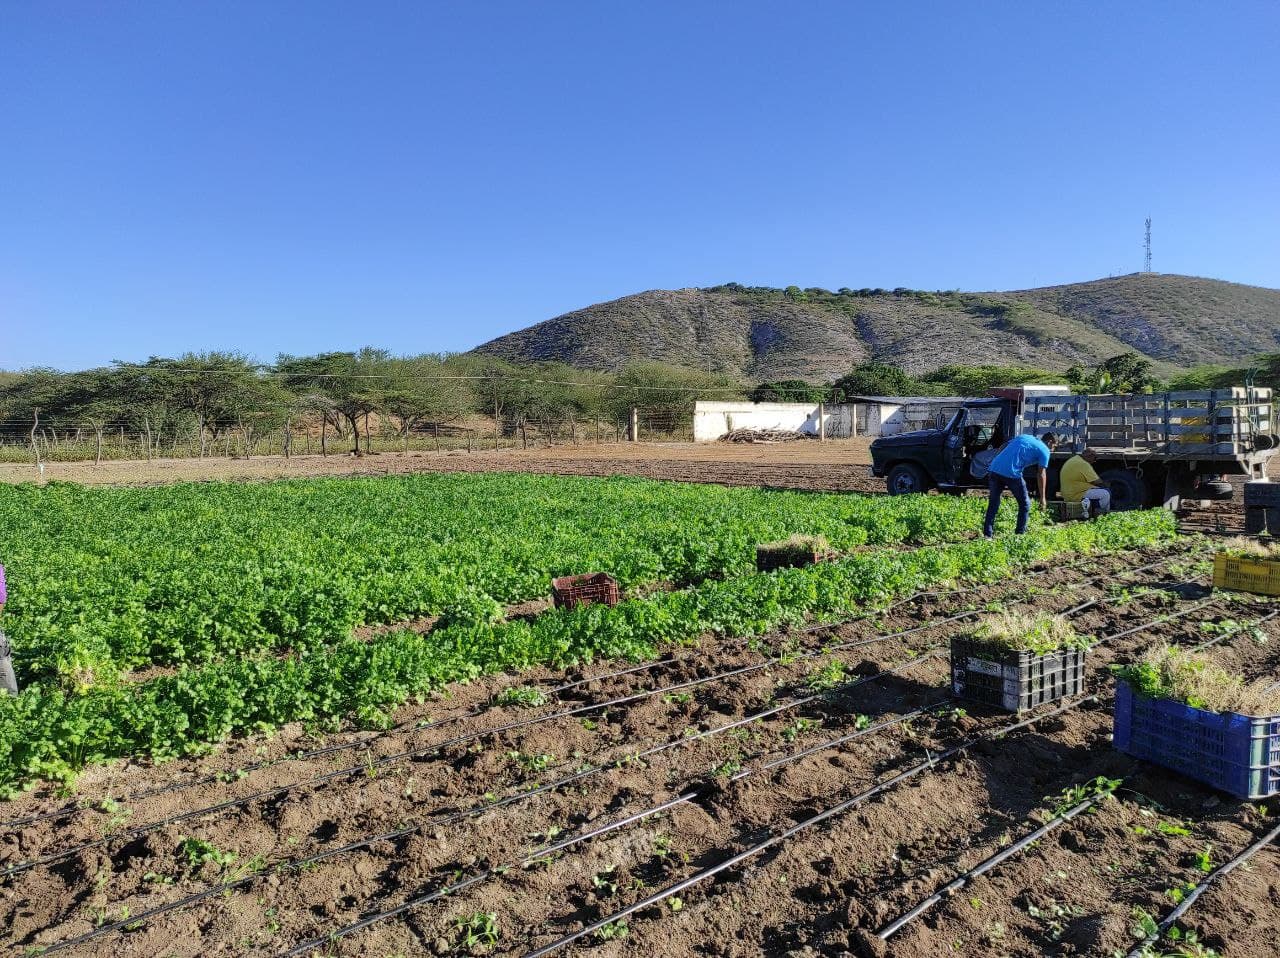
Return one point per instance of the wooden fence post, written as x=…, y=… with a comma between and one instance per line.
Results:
x=822, y=423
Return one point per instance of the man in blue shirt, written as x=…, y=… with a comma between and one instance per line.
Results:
x=1005, y=472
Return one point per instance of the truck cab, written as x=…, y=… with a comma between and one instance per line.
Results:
x=951, y=457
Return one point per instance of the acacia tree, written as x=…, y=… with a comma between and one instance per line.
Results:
x=353, y=382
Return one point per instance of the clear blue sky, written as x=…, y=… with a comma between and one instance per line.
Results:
x=272, y=176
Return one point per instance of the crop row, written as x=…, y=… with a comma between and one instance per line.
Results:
x=114, y=579
x=52, y=731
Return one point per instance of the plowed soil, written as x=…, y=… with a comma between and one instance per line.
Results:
x=460, y=801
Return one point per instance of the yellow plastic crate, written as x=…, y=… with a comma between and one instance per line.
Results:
x=1246, y=575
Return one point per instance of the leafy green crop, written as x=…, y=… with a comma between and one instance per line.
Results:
x=104, y=580
x=51, y=731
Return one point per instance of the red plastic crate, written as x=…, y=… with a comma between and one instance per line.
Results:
x=590, y=587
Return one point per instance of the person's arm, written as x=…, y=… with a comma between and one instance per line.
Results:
x=1044, y=487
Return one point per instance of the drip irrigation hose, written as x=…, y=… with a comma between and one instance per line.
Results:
x=891, y=929
x=691, y=796
x=1187, y=902
x=778, y=837
x=476, y=810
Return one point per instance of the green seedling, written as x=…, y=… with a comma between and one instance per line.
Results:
x=826, y=677
x=1069, y=798
x=798, y=728
x=478, y=930
x=613, y=931
x=526, y=696
x=532, y=763
x=197, y=851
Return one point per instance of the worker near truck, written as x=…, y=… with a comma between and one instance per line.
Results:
x=1080, y=483
x=1007, y=472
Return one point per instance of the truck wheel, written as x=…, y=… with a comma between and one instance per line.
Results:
x=1128, y=489
x=906, y=478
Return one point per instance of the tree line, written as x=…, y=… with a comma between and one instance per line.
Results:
x=207, y=395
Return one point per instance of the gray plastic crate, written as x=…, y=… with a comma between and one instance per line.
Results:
x=1013, y=681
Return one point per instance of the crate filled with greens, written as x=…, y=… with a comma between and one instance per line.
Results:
x=1177, y=709
x=1015, y=661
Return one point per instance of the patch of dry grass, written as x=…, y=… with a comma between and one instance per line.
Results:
x=1038, y=632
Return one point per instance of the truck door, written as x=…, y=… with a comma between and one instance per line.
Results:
x=955, y=469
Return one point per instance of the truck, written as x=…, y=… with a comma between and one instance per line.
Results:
x=1153, y=449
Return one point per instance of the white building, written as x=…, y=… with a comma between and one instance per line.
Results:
x=869, y=416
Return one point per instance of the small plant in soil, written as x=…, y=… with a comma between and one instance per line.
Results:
x=526, y=696
x=826, y=677
x=1038, y=633
x=1193, y=679
x=197, y=852
x=1070, y=797
x=798, y=728
x=613, y=931
x=536, y=762
x=605, y=883
x=478, y=930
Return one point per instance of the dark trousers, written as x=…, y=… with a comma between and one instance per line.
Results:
x=997, y=485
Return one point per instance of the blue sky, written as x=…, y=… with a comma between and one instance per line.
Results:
x=271, y=176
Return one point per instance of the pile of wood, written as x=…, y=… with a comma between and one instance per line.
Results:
x=763, y=435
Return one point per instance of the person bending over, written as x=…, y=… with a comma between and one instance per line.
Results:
x=1006, y=472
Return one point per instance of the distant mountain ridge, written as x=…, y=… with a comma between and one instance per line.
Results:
x=759, y=333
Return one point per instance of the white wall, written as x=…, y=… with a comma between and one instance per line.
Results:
x=711, y=420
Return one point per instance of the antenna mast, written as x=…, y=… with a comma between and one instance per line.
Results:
x=1147, y=245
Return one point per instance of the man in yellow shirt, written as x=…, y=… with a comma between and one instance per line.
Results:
x=1079, y=483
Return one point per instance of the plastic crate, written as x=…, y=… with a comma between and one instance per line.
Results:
x=1066, y=511
x=1239, y=754
x=1013, y=681
x=590, y=587
x=771, y=557
x=1246, y=575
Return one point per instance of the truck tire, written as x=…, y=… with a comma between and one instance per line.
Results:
x=1128, y=489
x=906, y=478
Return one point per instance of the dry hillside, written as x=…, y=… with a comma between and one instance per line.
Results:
x=759, y=333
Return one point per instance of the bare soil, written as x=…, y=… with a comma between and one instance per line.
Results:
x=838, y=465
x=462, y=788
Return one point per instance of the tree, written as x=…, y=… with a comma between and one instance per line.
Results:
x=354, y=383
x=1124, y=373
x=875, y=379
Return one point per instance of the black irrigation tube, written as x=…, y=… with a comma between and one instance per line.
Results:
x=371, y=919
x=690, y=796
x=396, y=757
x=221, y=778
x=861, y=797
x=1187, y=902
x=779, y=837
x=891, y=929
x=578, y=776
x=514, y=798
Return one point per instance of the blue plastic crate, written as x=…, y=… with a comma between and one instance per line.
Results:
x=1239, y=754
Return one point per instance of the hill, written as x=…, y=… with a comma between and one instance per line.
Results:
x=760, y=333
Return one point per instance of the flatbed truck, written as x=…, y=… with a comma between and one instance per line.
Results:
x=1153, y=449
